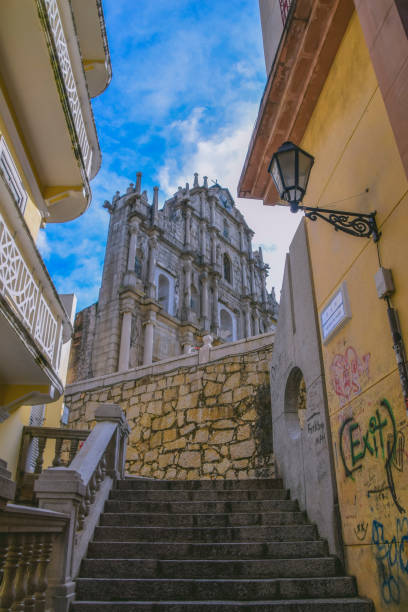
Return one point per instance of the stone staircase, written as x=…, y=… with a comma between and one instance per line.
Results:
x=193, y=546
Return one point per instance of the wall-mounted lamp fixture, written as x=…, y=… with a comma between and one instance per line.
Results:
x=290, y=169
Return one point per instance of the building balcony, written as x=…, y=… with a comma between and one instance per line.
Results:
x=44, y=99
x=33, y=322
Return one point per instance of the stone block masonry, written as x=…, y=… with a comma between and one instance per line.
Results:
x=191, y=419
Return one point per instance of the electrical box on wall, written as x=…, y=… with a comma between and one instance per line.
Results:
x=384, y=283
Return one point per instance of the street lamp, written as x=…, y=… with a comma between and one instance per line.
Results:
x=290, y=169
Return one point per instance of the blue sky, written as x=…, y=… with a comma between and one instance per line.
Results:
x=188, y=76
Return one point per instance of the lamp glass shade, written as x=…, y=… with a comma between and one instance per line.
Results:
x=290, y=169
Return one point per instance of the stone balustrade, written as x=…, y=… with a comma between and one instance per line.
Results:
x=80, y=492
x=28, y=537
x=34, y=441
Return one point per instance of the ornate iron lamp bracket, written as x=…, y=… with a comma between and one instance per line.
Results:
x=355, y=224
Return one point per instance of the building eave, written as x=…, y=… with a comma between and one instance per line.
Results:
x=309, y=43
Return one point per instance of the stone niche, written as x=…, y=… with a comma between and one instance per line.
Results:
x=203, y=421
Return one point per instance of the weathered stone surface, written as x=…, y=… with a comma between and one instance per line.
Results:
x=243, y=449
x=224, y=424
x=211, y=455
x=222, y=436
x=190, y=459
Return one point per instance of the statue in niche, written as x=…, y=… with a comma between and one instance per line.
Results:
x=138, y=263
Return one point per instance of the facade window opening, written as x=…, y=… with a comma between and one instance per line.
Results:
x=226, y=229
x=195, y=304
x=227, y=326
x=163, y=292
x=227, y=268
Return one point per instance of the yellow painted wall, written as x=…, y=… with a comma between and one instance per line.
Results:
x=353, y=144
x=10, y=437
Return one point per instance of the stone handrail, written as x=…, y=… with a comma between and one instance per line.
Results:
x=27, y=539
x=25, y=476
x=80, y=492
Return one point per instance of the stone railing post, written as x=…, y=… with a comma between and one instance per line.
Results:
x=80, y=492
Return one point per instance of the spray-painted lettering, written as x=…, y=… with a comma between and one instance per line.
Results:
x=346, y=372
x=392, y=558
x=378, y=440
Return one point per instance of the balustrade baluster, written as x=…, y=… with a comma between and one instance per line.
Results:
x=92, y=488
x=22, y=573
x=42, y=583
x=73, y=449
x=8, y=586
x=40, y=459
x=87, y=500
x=103, y=467
x=81, y=514
x=58, y=448
x=32, y=578
x=98, y=476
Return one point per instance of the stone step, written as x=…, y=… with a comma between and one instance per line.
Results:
x=199, y=495
x=352, y=604
x=277, y=533
x=101, y=589
x=204, y=507
x=192, y=568
x=188, y=550
x=219, y=484
x=202, y=520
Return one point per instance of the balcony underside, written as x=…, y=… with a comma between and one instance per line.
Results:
x=44, y=88
x=26, y=376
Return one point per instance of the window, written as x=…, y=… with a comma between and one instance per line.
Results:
x=11, y=176
x=227, y=325
x=163, y=292
x=195, y=304
x=227, y=268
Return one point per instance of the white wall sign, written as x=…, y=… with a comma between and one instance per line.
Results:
x=335, y=314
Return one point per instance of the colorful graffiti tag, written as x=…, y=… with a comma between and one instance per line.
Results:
x=379, y=440
x=346, y=372
x=392, y=558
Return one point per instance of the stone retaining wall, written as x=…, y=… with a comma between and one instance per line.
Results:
x=192, y=420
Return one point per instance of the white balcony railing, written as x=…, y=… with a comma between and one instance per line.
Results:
x=284, y=7
x=23, y=292
x=69, y=81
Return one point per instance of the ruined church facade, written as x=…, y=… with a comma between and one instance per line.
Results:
x=171, y=277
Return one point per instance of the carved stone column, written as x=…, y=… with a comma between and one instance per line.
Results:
x=244, y=275
x=203, y=245
x=127, y=307
x=133, y=229
x=248, y=326
x=187, y=232
x=264, y=274
x=256, y=321
x=151, y=287
x=148, y=338
x=204, y=301
x=215, y=323
x=187, y=290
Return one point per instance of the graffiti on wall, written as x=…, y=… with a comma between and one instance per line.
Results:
x=391, y=554
x=380, y=440
x=347, y=372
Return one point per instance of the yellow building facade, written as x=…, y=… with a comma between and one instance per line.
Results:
x=49, y=152
x=348, y=115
